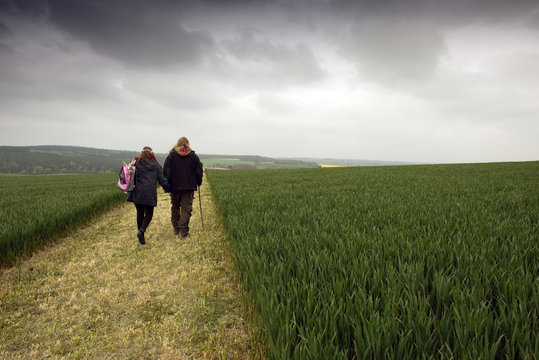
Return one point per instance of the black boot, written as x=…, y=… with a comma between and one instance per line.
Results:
x=140, y=236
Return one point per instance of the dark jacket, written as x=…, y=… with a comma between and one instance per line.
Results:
x=183, y=172
x=147, y=174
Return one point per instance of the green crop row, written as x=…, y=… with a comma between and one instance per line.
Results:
x=397, y=262
x=36, y=209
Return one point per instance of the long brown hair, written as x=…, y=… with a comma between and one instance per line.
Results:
x=147, y=153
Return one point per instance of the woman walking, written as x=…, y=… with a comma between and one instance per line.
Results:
x=183, y=170
x=147, y=174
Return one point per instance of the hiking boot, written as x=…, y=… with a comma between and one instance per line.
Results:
x=140, y=236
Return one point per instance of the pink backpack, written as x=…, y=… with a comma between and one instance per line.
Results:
x=126, y=182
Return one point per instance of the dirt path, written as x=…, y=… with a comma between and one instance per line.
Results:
x=98, y=294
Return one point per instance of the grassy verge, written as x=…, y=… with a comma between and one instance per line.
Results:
x=98, y=294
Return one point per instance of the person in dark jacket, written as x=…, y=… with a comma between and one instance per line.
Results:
x=147, y=174
x=183, y=171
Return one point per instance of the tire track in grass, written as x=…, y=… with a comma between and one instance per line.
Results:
x=98, y=294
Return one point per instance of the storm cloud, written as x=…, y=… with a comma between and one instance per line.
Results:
x=130, y=34
x=419, y=80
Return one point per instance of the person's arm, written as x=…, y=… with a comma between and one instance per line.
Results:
x=199, y=170
x=166, y=168
x=162, y=180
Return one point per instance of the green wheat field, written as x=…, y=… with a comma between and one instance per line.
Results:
x=37, y=209
x=398, y=262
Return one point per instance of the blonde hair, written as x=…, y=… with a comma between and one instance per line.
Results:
x=182, y=142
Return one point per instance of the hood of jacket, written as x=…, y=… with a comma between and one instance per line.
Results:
x=184, y=151
x=144, y=164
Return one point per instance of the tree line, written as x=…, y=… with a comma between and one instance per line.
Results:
x=50, y=159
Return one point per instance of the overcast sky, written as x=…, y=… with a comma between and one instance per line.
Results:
x=422, y=80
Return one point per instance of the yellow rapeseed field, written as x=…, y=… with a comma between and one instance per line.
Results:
x=99, y=294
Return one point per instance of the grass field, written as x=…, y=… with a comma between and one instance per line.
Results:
x=398, y=262
x=222, y=162
x=252, y=162
x=36, y=209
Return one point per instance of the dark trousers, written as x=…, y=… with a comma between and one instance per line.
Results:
x=144, y=216
x=182, y=207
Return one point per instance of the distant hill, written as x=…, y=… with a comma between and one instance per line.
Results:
x=51, y=159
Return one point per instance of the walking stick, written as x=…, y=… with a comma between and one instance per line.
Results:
x=200, y=203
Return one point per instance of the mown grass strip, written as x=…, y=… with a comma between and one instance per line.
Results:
x=37, y=209
x=389, y=262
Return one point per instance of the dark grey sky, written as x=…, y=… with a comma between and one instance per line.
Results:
x=421, y=80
